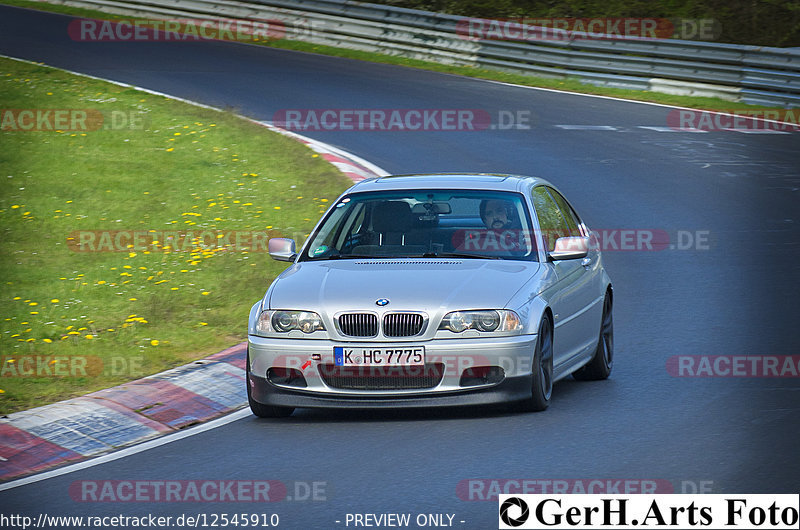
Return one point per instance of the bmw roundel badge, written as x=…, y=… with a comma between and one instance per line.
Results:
x=382, y=301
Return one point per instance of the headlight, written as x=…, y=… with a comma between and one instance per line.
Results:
x=284, y=321
x=487, y=320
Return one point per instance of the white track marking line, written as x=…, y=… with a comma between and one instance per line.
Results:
x=670, y=129
x=757, y=131
x=588, y=127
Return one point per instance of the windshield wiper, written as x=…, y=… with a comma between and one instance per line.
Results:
x=457, y=255
x=341, y=256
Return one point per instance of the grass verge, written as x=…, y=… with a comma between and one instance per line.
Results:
x=84, y=304
x=567, y=85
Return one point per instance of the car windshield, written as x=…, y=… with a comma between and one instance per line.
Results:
x=425, y=224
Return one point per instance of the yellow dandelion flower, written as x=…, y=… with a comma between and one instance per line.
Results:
x=54, y=301
x=154, y=342
x=90, y=337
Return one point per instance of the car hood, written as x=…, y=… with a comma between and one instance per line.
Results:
x=427, y=285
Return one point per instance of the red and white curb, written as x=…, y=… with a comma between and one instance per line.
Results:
x=103, y=421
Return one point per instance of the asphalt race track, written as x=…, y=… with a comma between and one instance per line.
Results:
x=735, y=294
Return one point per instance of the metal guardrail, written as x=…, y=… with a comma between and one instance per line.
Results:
x=751, y=74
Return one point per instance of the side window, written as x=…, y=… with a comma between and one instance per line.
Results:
x=569, y=214
x=551, y=222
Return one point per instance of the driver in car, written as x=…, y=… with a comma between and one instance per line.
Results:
x=497, y=214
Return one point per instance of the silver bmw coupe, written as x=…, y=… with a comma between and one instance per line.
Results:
x=433, y=290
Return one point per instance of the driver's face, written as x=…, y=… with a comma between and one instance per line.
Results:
x=496, y=214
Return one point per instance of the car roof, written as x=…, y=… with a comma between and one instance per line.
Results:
x=469, y=181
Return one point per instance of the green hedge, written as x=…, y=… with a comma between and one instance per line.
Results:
x=757, y=22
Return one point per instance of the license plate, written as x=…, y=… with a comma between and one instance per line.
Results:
x=392, y=356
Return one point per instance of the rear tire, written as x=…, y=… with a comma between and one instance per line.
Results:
x=602, y=362
x=542, y=386
x=259, y=409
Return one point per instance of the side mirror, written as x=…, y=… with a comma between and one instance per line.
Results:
x=282, y=249
x=570, y=248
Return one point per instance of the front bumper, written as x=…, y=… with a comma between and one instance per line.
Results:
x=513, y=354
x=511, y=389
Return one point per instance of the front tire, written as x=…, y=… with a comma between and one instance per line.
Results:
x=542, y=386
x=259, y=409
x=603, y=360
